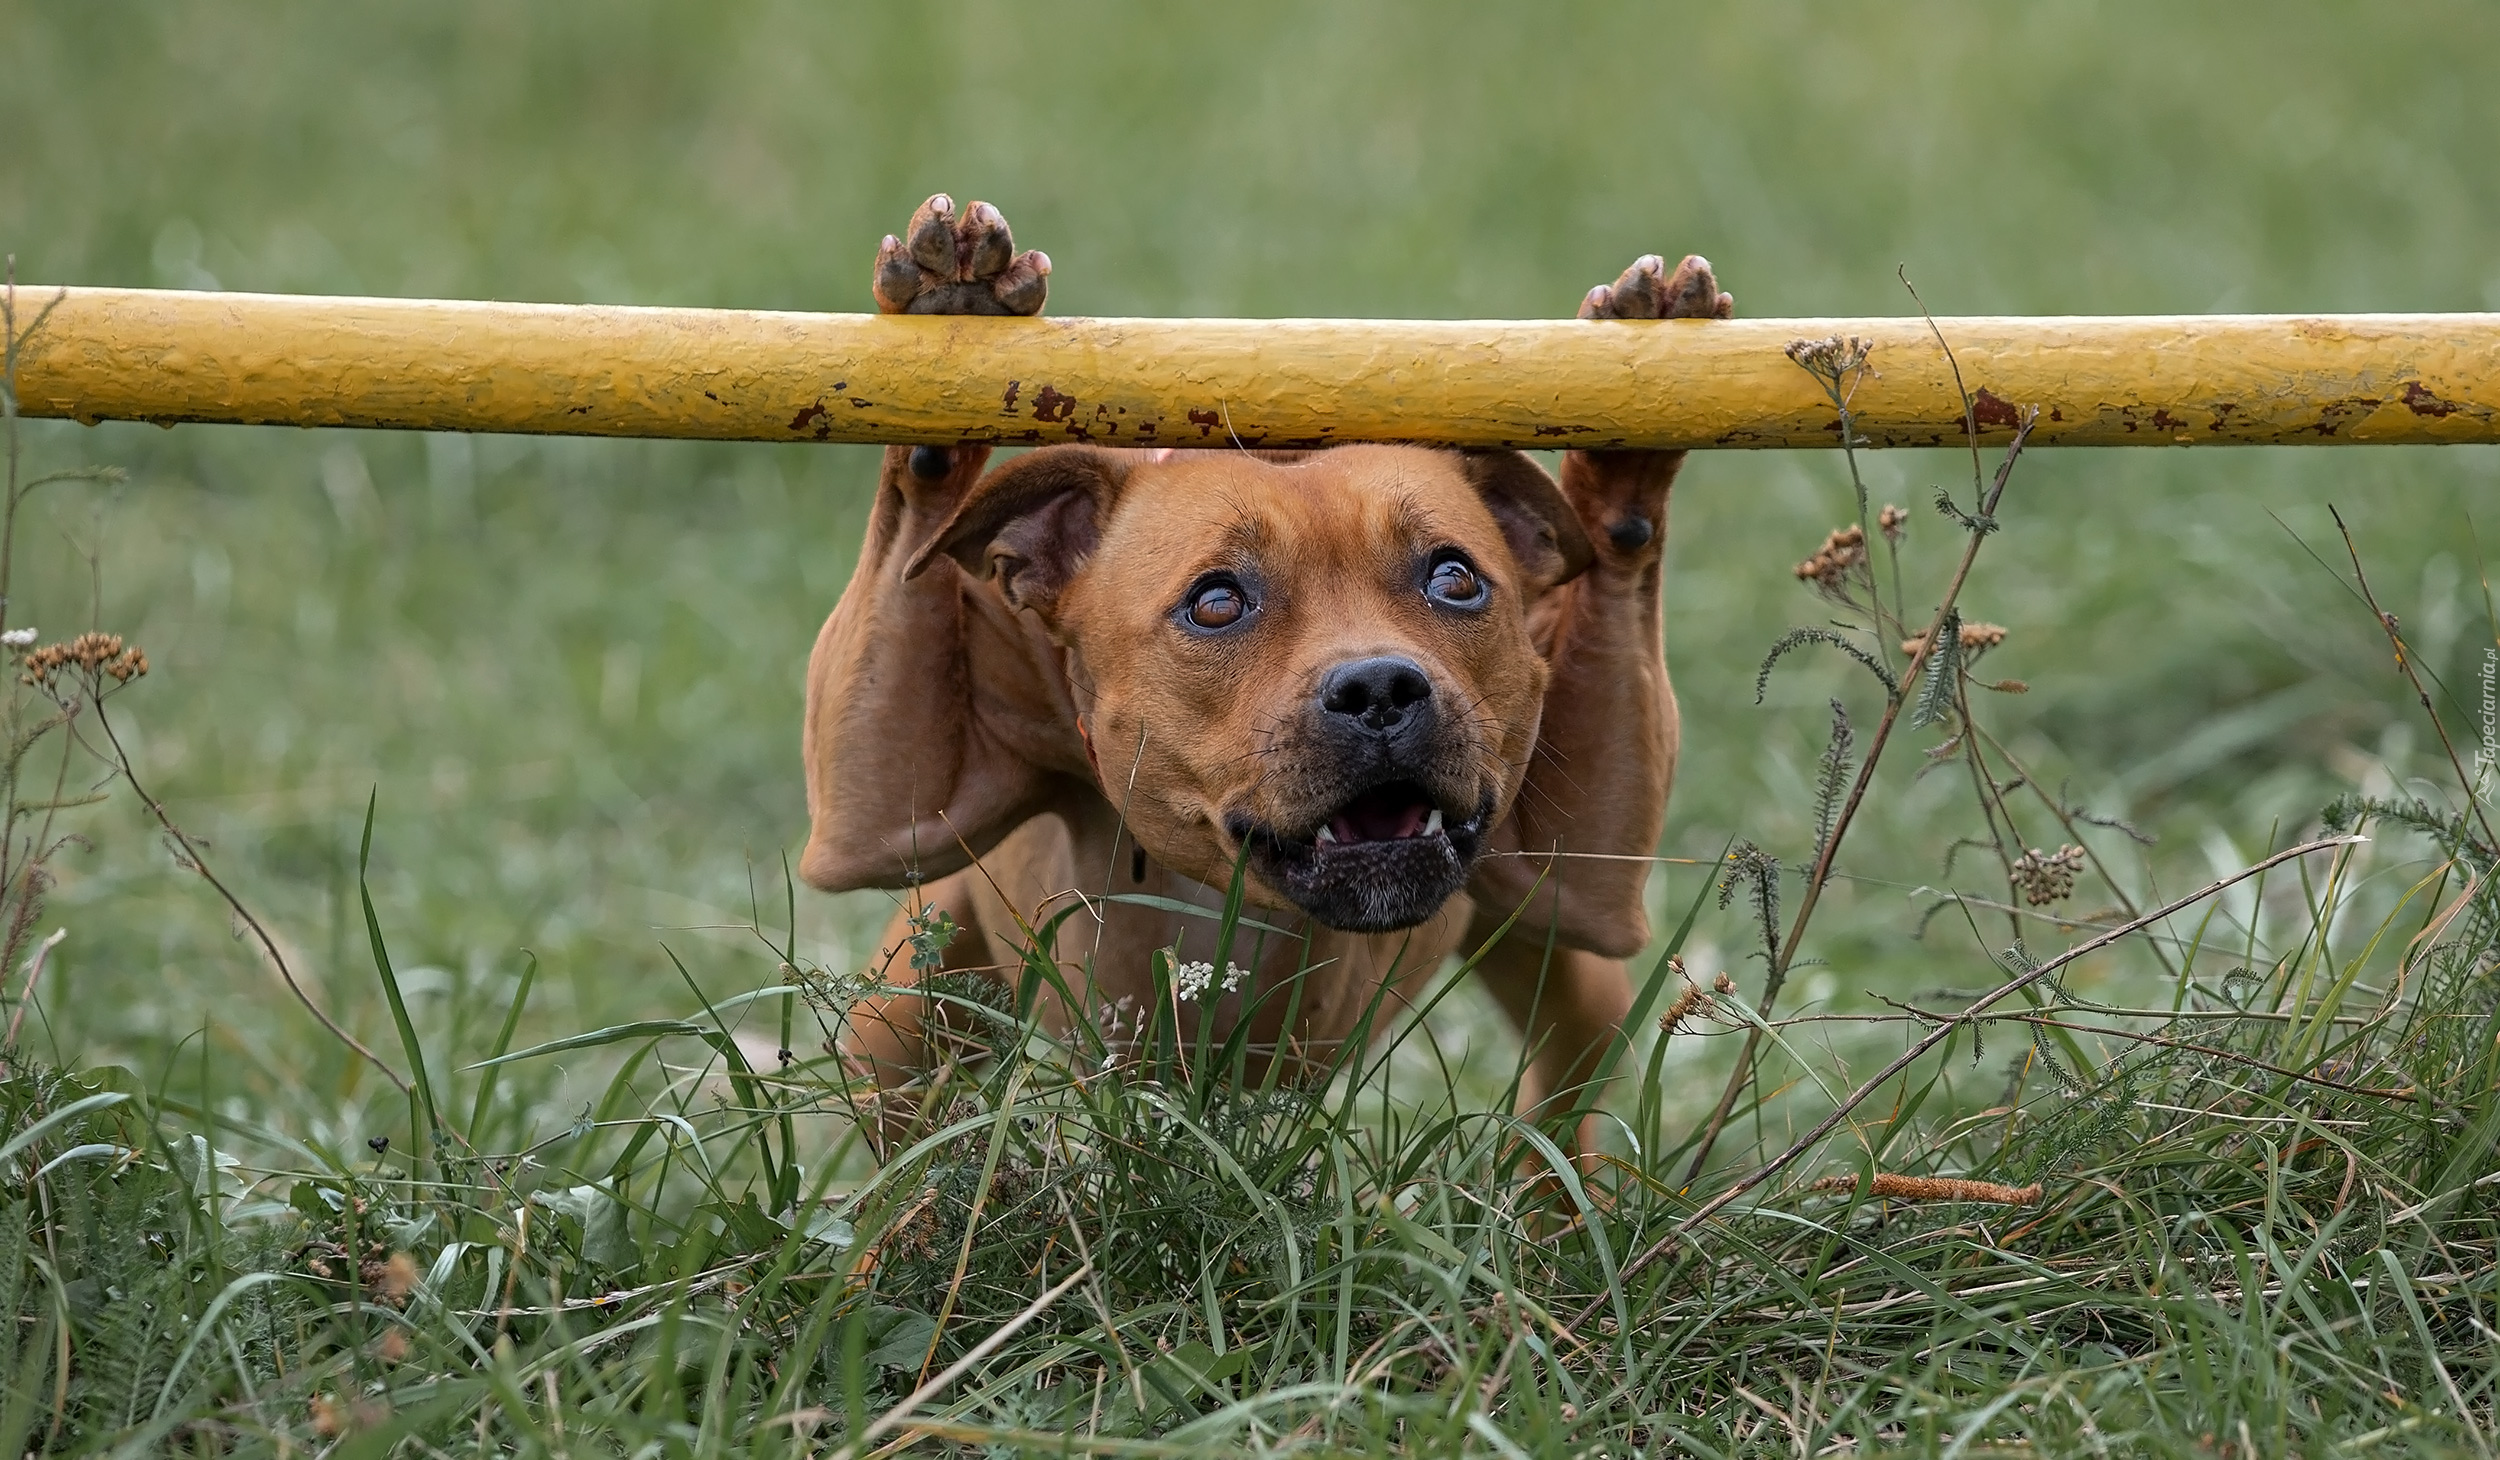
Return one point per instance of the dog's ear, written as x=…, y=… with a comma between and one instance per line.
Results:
x=1032, y=522
x=1544, y=532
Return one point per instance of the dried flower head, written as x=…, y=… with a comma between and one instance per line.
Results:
x=1975, y=638
x=2046, y=877
x=92, y=656
x=1894, y=520
x=396, y=1280
x=1831, y=358
x=1828, y=570
x=1685, y=1003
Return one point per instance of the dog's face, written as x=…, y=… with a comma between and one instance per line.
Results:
x=1325, y=661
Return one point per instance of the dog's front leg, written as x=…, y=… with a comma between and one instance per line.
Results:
x=936, y=716
x=911, y=755
x=1606, y=747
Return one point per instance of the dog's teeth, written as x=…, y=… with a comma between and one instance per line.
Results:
x=1432, y=823
x=1326, y=837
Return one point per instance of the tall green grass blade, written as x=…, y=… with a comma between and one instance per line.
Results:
x=66, y=1115
x=493, y=1063
x=613, y=1034
x=1227, y=927
x=422, y=1137
x=1178, y=908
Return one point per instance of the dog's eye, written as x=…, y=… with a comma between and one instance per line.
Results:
x=1217, y=603
x=1453, y=581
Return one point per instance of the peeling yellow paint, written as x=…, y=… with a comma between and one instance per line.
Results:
x=744, y=375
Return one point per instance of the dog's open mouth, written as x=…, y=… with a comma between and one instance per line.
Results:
x=1394, y=812
x=1386, y=858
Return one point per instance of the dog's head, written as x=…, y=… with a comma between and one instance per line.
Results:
x=1324, y=661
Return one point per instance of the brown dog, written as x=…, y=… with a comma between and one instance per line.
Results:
x=1399, y=680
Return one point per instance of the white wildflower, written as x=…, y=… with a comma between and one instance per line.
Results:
x=1234, y=973
x=19, y=638
x=1189, y=980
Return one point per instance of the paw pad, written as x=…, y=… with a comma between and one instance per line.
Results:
x=950, y=263
x=1647, y=290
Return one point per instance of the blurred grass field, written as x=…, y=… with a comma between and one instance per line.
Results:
x=572, y=668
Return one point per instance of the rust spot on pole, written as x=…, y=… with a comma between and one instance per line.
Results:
x=2423, y=402
x=2332, y=415
x=1050, y=405
x=1993, y=412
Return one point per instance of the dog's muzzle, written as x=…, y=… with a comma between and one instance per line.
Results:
x=1397, y=830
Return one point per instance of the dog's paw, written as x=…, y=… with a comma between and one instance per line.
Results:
x=947, y=263
x=1647, y=291
x=1621, y=496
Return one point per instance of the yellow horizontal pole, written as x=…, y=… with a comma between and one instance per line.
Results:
x=747, y=375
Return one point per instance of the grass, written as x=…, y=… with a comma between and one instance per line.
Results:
x=571, y=669
x=2255, y=1226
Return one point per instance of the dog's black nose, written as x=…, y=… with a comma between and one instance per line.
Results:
x=1384, y=693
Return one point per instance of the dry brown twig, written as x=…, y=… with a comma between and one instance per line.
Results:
x=1893, y=1187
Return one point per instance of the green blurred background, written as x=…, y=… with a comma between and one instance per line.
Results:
x=572, y=668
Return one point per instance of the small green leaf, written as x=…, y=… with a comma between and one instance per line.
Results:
x=898, y=1338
